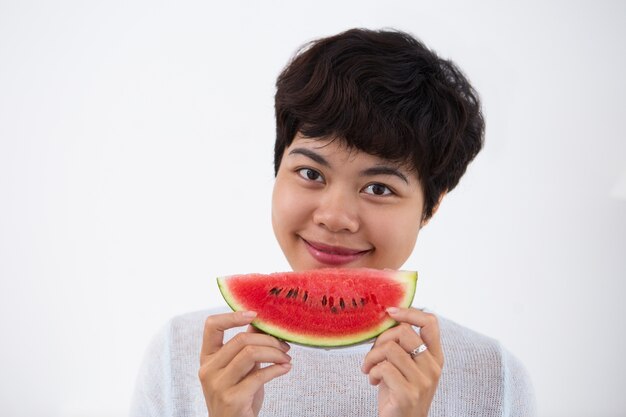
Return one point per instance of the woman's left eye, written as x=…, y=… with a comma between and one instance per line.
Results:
x=378, y=189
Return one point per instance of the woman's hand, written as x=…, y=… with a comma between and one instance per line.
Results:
x=231, y=376
x=406, y=382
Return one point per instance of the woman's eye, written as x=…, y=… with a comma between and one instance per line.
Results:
x=310, y=174
x=378, y=189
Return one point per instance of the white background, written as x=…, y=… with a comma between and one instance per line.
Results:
x=136, y=144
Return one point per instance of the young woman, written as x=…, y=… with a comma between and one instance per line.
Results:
x=373, y=129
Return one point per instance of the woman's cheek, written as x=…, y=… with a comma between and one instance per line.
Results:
x=394, y=236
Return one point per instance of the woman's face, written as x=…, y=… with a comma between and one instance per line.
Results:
x=336, y=207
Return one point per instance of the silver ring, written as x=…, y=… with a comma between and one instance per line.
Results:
x=418, y=350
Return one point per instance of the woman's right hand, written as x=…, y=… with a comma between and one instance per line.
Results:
x=231, y=376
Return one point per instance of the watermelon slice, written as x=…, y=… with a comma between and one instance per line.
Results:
x=322, y=307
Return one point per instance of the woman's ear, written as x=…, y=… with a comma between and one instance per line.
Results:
x=435, y=208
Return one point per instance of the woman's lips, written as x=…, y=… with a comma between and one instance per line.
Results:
x=333, y=255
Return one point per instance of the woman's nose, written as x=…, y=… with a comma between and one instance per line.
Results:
x=337, y=211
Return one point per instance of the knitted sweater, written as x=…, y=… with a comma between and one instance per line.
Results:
x=479, y=378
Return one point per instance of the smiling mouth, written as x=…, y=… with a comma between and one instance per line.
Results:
x=333, y=255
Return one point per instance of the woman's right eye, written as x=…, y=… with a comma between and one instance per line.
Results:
x=310, y=174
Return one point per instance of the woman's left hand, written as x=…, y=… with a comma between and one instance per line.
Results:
x=406, y=382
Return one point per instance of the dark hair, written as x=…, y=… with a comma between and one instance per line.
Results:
x=384, y=93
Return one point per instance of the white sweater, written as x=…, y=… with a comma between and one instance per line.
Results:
x=479, y=379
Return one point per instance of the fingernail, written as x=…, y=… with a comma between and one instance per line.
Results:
x=286, y=365
x=392, y=310
x=285, y=346
x=249, y=314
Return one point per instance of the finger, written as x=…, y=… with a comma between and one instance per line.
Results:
x=253, y=329
x=242, y=341
x=424, y=358
x=404, y=335
x=392, y=352
x=429, y=328
x=386, y=372
x=215, y=325
x=256, y=379
x=246, y=360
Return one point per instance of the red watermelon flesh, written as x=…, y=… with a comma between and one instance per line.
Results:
x=322, y=307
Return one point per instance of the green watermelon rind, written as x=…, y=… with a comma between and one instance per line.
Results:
x=409, y=278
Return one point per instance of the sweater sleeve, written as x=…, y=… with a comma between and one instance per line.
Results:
x=519, y=398
x=152, y=395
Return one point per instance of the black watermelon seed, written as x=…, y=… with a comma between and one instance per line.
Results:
x=363, y=301
x=354, y=303
x=306, y=295
x=273, y=291
x=279, y=291
x=333, y=310
x=342, y=304
x=295, y=293
x=290, y=293
x=324, y=300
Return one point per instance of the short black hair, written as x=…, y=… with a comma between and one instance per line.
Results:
x=385, y=93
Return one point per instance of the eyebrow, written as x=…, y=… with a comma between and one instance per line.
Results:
x=376, y=170
x=384, y=170
x=309, y=153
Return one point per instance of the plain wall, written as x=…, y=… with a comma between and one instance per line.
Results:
x=136, y=146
